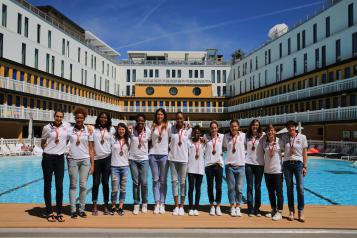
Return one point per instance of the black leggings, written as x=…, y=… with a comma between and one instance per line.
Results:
x=53, y=164
x=101, y=174
x=194, y=182
x=214, y=173
x=274, y=184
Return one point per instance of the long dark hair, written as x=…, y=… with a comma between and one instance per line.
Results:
x=126, y=135
x=155, y=123
x=109, y=121
x=250, y=131
x=213, y=122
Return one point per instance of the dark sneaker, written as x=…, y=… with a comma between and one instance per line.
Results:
x=82, y=214
x=106, y=211
x=113, y=211
x=121, y=212
x=74, y=215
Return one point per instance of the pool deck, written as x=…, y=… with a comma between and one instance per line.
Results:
x=317, y=217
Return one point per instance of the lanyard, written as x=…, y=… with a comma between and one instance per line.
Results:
x=141, y=138
x=271, y=149
x=235, y=138
x=78, y=137
x=180, y=137
x=57, y=135
x=253, y=143
x=121, y=146
x=214, y=141
x=197, y=146
x=160, y=133
x=102, y=135
x=292, y=144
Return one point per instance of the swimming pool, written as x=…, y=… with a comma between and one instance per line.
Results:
x=328, y=182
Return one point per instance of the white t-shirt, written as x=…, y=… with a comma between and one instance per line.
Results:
x=141, y=153
x=102, y=150
x=216, y=158
x=80, y=151
x=179, y=153
x=238, y=157
x=272, y=156
x=253, y=156
x=160, y=148
x=119, y=160
x=49, y=134
x=196, y=166
x=298, y=144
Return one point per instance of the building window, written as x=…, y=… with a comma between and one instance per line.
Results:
x=156, y=73
x=85, y=58
x=4, y=15
x=134, y=75
x=354, y=44
x=196, y=74
x=132, y=89
x=305, y=62
x=295, y=67
x=280, y=50
x=150, y=90
x=190, y=74
x=38, y=33
x=63, y=46
x=327, y=22
x=178, y=73
x=224, y=90
x=36, y=59
x=128, y=75
x=145, y=73
x=218, y=91
x=151, y=73
x=167, y=73
x=289, y=46
x=47, y=63
x=173, y=73
x=62, y=68
x=196, y=91
x=352, y=100
x=218, y=76
x=70, y=72
x=323, y=56
x=1, y=44
x=127, y=90
x=338, y=50
x=224, y=76
x=202, y=75
x=350, y=15
x=53, y=65
x=269, y=56
x=213, y=76
x=19, y=23
x=26, y=30
x=173, y=91
x=314, y=33
x=67, y=48
x=303, y=39
x=79, y=55
x=317, y=58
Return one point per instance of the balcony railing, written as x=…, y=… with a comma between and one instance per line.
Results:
x=198, y=62
x=22, y=113
x=24, y=87
x=173, y=81
x=148, y=109
x=333, y=87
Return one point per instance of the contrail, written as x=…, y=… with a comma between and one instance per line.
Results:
x=152, y=10
x=224, y=23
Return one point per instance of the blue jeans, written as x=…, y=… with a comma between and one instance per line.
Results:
x=139, y=175
x=77, y=168
x=159, y=167
x=119, y=180
x=254, y=175
x=178, y=176
x=235, y=180
x=290, y=170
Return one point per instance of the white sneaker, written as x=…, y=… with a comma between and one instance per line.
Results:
x=157, y=209
x=175, y=211
x=212, y=212
x=144, y=208
x=195, y=212
x=136, y=209
x=233, y=211
x=277, y=216
x=218, y=211
x=238, y=213
x=181, y=211
x=191, y=213
x=270, y=214
x=162, y=209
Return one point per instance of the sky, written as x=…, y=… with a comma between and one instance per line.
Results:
x=184, y=24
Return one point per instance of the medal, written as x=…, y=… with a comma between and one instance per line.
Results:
x=234, y=143
x=271, y=150
x=253, y=142
x=139, y=146
x=121, y=147
x=102, y=135
x=292, y=145
x=102, y=142
x=180, y=143
x=234, y=150
x=56, y=141
x=253, y=148
x=197, y=146
x=180, y=137
x=121, y=153
x=78, y=137
x=213, y=152
x=214, y=141
x=159, y=139
x=57, y=135
x=77, y=143
x=291, y=151
x=197, y=156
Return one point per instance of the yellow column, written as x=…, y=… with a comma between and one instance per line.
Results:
x=10, y=72
x=2, y=69
x=19, y=134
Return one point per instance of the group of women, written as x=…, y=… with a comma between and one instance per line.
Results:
x=106, y=152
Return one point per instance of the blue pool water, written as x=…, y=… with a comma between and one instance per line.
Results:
x=328, y=182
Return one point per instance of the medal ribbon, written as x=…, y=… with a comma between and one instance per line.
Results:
x=121, y=145
x=197, y=146
x=102, y=134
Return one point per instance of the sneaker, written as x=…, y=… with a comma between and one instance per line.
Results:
x=238, y=213
x=257, y=213
x=113, y=211
x=157, y=209
x=233, y=211
x=106, y=211
x=212, y=212
x=195, y=212
x=301, y=217
x=121, y=212
x=270, y=214
x=251, y=215
x=181, y=211
x=277, y=216
x=82, y=214
x=144, y=208
x=74, y=215
x=136, y=209
x=162, y=209
x=291, y=216
x=218, y=211
x=175, y=211
x=191, y=213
